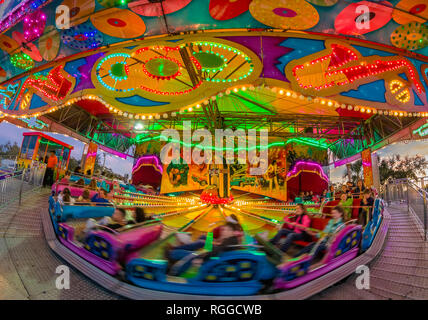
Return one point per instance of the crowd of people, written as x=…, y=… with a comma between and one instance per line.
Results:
x=333, y=192
x=119, y=219
x=298, y=228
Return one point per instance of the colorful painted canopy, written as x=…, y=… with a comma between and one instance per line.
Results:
x=117, y=21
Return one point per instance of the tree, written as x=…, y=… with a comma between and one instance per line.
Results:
x=9, y=150
x=398, y=167
x=356, y=169
x=73, y=164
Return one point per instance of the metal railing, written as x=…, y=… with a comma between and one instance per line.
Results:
x=407, y=191
x=13, y=185
x=7, y=163
x=422, y=182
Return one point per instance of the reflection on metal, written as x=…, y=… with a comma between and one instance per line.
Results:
x=422, y=130
x=92, y=128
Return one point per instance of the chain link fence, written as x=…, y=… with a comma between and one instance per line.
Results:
x=14, y=184
x=406, y=191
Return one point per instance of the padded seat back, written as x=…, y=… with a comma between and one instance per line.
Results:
x=138, y=238
x=329, y=205
x=319, y=223
x=356, y=208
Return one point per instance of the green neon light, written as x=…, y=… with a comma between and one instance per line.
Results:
x=306, y=141
x=422, y=130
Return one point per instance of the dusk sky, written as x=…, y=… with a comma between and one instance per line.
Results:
x=12, y=133
x=418, y=147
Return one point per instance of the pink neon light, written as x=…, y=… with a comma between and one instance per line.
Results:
x=306, y=165
x=145, y=160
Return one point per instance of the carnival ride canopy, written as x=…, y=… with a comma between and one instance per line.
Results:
x=313, y=70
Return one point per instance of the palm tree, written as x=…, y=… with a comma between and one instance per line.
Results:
x=356, y=171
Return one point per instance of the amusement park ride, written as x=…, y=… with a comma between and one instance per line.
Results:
x=122, y=73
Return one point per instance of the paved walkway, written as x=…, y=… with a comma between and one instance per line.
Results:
x=399, y=272
x=27, y=265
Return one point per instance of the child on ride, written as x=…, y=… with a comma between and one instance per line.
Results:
x=187, y=244
x=93, y=185
x=116, y=221
x=140, y=215
x=67, y=199
x=66, y=178
x=61, y=195
x=346, y=203
x=334, y=224
x=296, y=231
x=85, y=197
x=100, y=198
x=365, y=212
x=80, y=183
x=228, y=241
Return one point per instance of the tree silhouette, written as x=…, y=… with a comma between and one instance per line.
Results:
x=356, y=169
x=398, y=167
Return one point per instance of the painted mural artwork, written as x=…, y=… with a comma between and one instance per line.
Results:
x=366, y=157
x=180, y=177
x=272, y=183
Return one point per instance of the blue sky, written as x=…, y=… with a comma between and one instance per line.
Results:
x=12, y=133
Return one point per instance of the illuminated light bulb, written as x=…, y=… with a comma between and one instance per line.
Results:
x=139, y=126
x=330, y=103
x=150, y=117
x=363, y=110
x=190, y=109
x=288, y=93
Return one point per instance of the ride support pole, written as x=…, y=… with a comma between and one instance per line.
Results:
x=21, y=186
x=425, y=216
x=408, y=204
